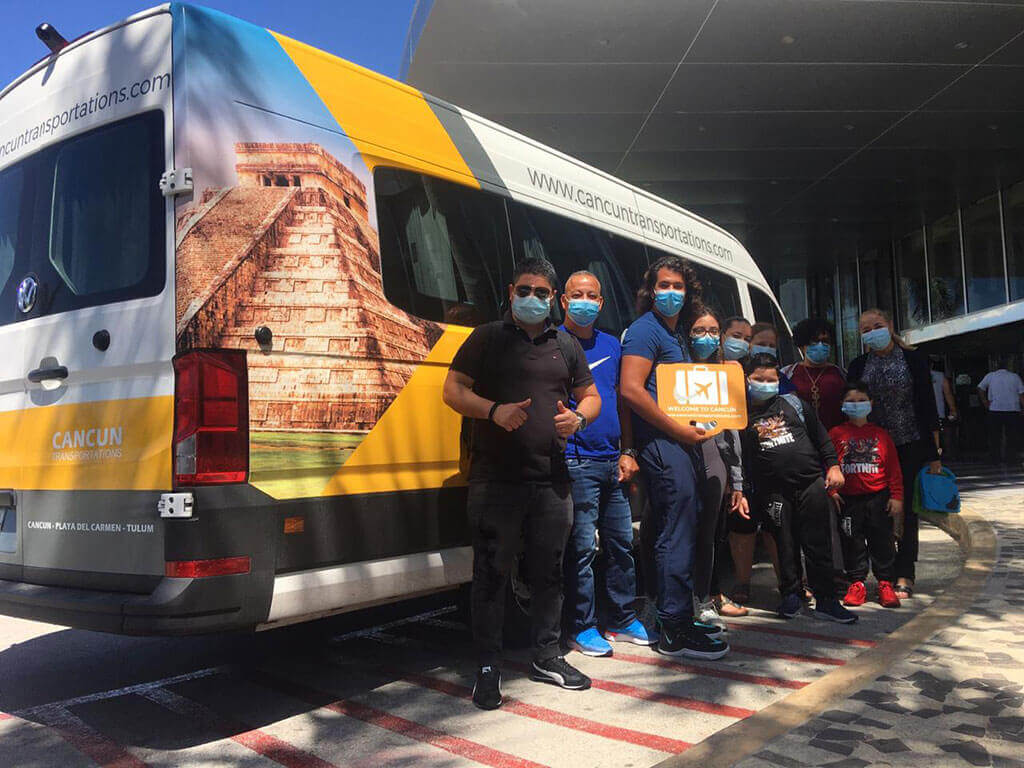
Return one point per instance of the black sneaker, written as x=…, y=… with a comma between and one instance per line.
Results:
x=559, y=672
x=487, y=691
x=708, y=630
x=831, y=609
x=692, y=642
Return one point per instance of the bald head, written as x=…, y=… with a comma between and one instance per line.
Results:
x=585, y=284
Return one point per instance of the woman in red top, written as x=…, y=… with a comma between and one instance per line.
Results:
x=817, y=380
x=871, y=503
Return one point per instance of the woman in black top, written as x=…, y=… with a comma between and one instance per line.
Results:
x=904, y=405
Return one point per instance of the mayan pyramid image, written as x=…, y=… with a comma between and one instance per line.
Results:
x=291, y=248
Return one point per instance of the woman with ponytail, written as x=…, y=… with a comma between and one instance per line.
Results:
x=903, y=405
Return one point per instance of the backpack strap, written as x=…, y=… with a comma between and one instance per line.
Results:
x=797, y=404
x=568, y=350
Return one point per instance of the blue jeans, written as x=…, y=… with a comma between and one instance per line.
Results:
x=599, y=505
x=670, y=472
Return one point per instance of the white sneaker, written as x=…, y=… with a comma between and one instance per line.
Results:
x=705, y=612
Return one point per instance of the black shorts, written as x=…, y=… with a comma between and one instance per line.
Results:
x=738, y=524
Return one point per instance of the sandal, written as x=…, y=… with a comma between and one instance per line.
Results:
x=729, y=608
x=904, y=591
x=741, y=594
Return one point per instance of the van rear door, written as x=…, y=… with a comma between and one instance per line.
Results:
x=87, y=317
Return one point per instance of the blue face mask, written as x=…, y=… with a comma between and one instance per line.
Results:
x=529, y=309
x=876, y=339
x=858, y=409
x=668, y=303
x=760, y=349
x=583, y=311
x=818, y=352
x=735, y=349
x=703, y=346
x=760, y=391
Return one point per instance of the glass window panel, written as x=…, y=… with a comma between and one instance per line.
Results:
x=945, y=271
x=445, y=254
x=765, y=311
x=910, y=275
x=876, y=288
x=101, y=218
x=1014, y=212
x=718, y=290
x=572, y=246
x=849, y=311
x=983, y=255
x=11, y=182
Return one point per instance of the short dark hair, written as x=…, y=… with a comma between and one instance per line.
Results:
x=761, y=327
x=761, y=360
x=857, y=385
x=694, y=291
x=536, y=266
x=807, y=331
x=729, y=322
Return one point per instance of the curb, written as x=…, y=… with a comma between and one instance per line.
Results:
x=977, y=541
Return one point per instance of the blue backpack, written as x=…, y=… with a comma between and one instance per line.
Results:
x=937, y=493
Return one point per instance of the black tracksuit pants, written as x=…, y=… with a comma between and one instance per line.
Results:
x=866, y=530
x=503, y=517
x=798, y=519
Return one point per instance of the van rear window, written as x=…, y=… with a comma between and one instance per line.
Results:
x=85, y=219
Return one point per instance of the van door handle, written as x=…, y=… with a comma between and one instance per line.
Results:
x=45, y=374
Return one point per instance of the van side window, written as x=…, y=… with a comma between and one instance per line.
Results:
x=445, y=252
x=571, y=246
x=11, y=182
x=101, y=218
x=765, y=311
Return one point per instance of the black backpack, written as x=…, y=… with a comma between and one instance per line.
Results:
x=493, y=349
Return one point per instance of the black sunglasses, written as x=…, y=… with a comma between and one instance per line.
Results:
x=522, y=291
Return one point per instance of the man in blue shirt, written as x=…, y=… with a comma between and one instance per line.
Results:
x=601, y=462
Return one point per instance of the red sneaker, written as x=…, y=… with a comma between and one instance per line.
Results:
x=887, y=595
x=856, y=594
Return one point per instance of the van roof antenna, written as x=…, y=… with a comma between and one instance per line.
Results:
x=51, y=38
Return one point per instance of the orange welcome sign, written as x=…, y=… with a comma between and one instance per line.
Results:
x=712, y=395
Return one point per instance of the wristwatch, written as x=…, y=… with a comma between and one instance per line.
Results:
x=583, y=421
x=631, y=452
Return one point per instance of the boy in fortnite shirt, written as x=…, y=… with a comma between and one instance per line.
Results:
x=872, y=500
x=791, y=450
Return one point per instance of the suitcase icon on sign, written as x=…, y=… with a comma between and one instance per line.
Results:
x=701, y=386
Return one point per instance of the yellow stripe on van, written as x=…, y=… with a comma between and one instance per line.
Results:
x=415, y=444
x=110, y=445
x=389, y=122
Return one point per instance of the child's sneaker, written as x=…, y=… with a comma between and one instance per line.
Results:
x=634, y=632
x=790, y=606
x=857, y=594
x=830, y=609
x=705, y=612
x=887, y=595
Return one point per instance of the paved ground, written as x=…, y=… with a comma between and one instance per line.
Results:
x=345, y=693
x=957, y=699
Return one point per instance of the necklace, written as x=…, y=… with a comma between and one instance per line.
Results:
x=815, y=391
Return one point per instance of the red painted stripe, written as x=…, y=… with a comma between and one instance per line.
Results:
x=452, y=744
x=769, y=630
x=768, y=654
x=258, y=741
x=645, y=694
x=5, y=716
x=727, y=674
x=95, y=746
x=516, y=707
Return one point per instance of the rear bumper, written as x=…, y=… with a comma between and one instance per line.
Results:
x=175, y=607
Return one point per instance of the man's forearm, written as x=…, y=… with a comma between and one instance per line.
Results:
x=590, y=407
x=465, y=401
x=625, y=425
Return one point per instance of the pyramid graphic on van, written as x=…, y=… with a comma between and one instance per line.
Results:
x=291, y=248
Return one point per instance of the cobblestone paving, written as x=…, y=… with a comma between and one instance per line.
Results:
x=955, y=700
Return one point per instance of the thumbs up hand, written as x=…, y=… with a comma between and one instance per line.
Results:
x=566, y=421
x=511, y=416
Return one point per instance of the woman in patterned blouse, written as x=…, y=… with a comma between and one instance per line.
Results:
x=904, y=405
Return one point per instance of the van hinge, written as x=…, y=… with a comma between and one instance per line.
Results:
x=175, y=505
x=176, y=181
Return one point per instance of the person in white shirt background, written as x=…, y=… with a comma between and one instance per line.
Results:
x=945, y=404
x=1002, y=394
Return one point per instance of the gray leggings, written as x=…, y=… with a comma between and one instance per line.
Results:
x=711, y=520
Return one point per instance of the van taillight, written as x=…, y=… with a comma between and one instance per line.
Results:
x=211, y=418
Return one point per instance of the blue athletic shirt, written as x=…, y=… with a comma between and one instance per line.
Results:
x=600, y=440
x=649, y=337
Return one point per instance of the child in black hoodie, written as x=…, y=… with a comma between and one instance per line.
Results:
x=794, y=466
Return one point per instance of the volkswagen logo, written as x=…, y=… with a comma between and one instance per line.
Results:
x=27, y=291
